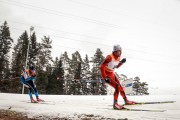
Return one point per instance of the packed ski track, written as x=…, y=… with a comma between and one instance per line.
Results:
x=92, y=107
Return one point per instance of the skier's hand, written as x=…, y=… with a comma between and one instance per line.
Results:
x=123, y=60
x=107, y=79
x=34, y=75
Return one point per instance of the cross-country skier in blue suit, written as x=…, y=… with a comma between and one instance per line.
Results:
x=28, y=78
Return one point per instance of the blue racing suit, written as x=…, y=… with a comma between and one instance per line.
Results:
x=29, y=83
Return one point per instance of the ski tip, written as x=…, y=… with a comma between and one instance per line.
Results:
x=41, y=101
x=159, y=102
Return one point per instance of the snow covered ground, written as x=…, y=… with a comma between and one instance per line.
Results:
x=94, y=107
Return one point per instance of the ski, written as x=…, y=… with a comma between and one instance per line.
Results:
x=161, y=102
x=49, y=103
x=129, y=109
x=42, y=102
x=148, y=110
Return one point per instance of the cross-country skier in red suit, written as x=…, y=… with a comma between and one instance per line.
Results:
x=111, y=62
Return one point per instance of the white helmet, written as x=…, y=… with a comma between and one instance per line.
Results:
x=116, y=47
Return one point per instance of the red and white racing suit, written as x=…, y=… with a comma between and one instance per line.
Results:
x=107, y=70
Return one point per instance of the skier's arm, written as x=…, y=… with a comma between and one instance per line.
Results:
x=121, y=62
x=103, y=65
x=33, y=74
x=119, y=65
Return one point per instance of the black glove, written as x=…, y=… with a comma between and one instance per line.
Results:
x=123, y=60
x=107, y=79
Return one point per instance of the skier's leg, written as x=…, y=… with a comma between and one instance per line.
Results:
x=31, y=83
x=30, y=93
x=121, y=90
x=26, y=85
x=116, y=92
x=115, y=85
x=33, y=86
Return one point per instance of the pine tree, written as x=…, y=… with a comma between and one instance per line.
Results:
x=75, y=65
x=67, y=76
x=136, y=85
x=5, y=46
x=33, y=50
x=85, y=75
x=75, y=86
x=19, y=54
x=45, y=58
x=144, y=88
x=97, y=59
x=44, y=64
x=140, y=88
x=56, y=81
x=18, y=60
x=123, y=77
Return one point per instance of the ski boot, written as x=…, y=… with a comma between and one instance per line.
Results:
x=33, y=101
x=117, y=106
x=40, y=100
x=127, y=102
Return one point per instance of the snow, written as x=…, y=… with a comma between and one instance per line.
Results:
x=95, y=107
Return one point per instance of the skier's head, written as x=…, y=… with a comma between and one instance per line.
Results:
x=31, y=67
x=117, y=50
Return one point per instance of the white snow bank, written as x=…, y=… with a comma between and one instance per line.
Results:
x=96, y=107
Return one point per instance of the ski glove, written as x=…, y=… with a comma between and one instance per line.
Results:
x=123, y=60
x=33, y=75
x=106, y=79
